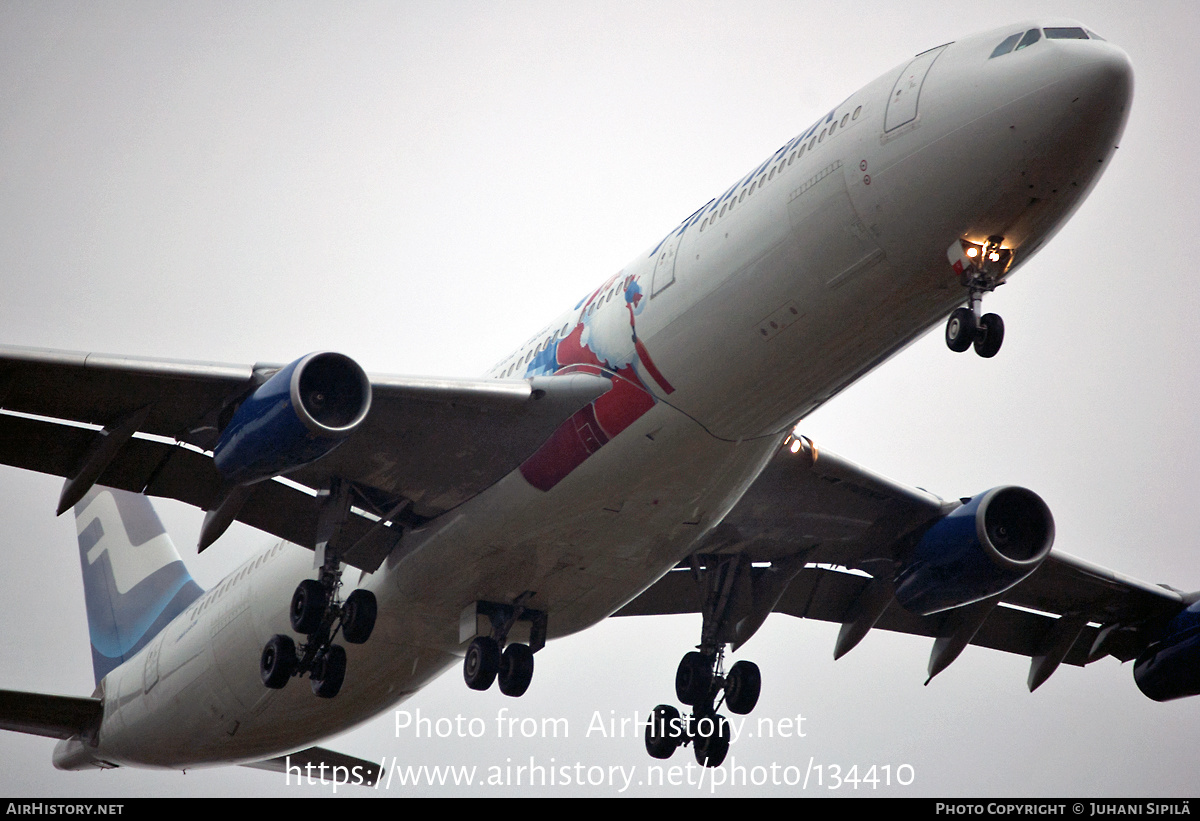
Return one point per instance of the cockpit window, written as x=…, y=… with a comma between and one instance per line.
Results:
x=1031, y=37
x=1066, y=33
x=1093, y=35
x=1006, y=46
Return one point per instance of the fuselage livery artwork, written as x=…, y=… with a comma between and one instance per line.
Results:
x=642, y=454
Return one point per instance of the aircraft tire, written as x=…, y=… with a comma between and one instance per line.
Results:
x=516, y=669
x=990, y=335
x=358, y=616
x=278, y=661
x=330, y=672
x=960, y=329
x=662, y=738
x=711, y=748
x=742, y=686
x=693, y=679
x=482, y=663
x=308, y=607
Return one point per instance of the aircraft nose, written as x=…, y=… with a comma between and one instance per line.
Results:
x=1104, y=77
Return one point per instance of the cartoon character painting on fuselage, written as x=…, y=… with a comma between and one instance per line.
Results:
x=600, y=343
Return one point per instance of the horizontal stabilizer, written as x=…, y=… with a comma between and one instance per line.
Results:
x=50, y=716
x=320, y=765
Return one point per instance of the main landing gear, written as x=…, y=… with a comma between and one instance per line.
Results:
x=701, y=684
x=318, y=613
x=491, y=657
x=736, y=601
x=979, y=268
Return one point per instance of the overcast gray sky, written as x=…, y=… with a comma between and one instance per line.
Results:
x=422, y=185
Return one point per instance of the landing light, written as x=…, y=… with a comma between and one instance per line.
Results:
x=972, y=252
x=795, y=446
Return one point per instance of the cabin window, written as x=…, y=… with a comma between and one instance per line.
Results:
x=857, y=111
x=845, y=118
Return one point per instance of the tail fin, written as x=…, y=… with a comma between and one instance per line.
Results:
x=133, y=579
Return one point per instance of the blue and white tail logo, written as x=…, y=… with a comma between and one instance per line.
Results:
x=133, y=579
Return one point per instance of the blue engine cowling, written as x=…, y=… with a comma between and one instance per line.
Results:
x=1170, y=667
x=305, y=410
x=985, y=547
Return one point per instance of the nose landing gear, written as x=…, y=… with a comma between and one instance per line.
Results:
x=979, y=268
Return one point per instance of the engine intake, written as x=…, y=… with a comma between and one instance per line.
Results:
x=985, y=547
x=304, y=411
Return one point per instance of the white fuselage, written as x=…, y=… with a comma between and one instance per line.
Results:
x=825, y=261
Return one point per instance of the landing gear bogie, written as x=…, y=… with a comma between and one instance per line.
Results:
x=493, y=655
x=701, y=685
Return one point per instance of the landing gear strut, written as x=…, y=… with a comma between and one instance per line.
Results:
x=486, y=662
x=979, y=268
x=318, y=613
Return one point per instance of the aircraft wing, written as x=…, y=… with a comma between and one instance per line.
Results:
x=425, y=446
x=819, y=537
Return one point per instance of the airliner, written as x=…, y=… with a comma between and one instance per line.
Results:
x=638, y=455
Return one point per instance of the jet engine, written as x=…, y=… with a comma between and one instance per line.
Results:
x=1170, y=667
x=301, y=413
x=982, y=548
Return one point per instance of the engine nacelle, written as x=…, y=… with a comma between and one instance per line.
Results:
x=301, y=413
x=980, y=549
x=1170, y=667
